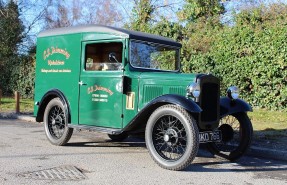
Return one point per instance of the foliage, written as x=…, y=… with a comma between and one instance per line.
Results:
x=251, y=54
x=23, y=75
x=195, y=10
x=11, y=31
x=142, y=15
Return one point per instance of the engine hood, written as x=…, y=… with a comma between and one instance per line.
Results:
x=167, y=78
x=155, y=84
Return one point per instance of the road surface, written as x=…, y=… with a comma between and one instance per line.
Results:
x=27, y=157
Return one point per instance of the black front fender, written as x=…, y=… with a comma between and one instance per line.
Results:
x=228, y=106
x=175, y=99
x=140, y=120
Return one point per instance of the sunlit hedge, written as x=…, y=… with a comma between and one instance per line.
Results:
x=251, y=54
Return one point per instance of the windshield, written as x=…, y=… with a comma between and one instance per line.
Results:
x=154, y=56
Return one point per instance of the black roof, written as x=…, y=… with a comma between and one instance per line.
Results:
x=110, y=30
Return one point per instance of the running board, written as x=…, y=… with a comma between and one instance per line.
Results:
x=112, y=131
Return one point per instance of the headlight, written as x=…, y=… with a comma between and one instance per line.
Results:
x=193, y=89
x=233, y=92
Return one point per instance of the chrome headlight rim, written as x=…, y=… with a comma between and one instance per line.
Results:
x=233, y=92
x=193, y=90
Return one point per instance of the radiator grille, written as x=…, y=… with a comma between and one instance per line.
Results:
x=209, y=102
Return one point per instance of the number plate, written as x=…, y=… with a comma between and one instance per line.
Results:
x=209, y=136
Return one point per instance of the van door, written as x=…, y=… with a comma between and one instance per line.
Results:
x=101, y=79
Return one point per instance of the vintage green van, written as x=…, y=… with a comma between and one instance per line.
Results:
x=123, y=82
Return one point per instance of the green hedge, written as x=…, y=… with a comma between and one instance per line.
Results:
x=252, y=54
x=24, y=76
x=18, y=75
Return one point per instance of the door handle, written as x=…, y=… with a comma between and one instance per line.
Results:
x=82, y=83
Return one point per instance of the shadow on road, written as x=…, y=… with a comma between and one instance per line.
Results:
x=244, y=164
x=205, y=161
x=100, y=142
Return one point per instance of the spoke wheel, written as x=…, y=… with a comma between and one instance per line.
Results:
x=172, y=137
x=237, y=133
x=169, y=137
x=55, y=122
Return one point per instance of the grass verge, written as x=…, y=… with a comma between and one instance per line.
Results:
x=269, y=125
x=8, y=105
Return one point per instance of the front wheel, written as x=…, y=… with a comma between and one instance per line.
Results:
x=172, y=137
x=237, y=133
x=55, y=121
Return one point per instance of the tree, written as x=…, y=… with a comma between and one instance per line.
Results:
x=202, y=22
x=194, y=10
x=78, y=12
x=11, y=31
x=142, y=15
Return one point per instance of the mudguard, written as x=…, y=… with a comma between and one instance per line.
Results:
x=229, y=106
x=53, y=93
x=175, y=99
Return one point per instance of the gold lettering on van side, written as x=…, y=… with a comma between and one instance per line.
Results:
x=95, y=88
x=56, y=71
x=55, y=62
x=53, y=50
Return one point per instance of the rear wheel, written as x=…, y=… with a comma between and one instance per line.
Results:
x=172, y=137
x=55, y=121
x=236, y=136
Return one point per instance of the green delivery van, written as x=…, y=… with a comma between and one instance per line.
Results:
x=124, y=82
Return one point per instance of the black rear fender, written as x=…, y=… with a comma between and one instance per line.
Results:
x=53, y=93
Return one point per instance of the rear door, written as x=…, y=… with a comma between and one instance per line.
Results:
x=101, y=97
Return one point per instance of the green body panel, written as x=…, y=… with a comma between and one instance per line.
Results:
x=150, y=85
x=154, y=84
x=100, y=36
x=58, y=68
x=101, y=99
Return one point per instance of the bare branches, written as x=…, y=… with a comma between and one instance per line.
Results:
x=67, y=13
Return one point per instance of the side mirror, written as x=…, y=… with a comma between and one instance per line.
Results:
x=112, y=57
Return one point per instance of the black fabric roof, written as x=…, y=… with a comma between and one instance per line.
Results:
x=110, y=30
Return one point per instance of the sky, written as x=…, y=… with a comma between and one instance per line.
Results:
x=30, y=9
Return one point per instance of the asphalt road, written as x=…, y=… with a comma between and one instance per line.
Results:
x=27, y=157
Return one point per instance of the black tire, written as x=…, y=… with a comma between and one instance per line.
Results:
x=119, y=137
x=55, y=121
x=234, y=142
x=171, y=137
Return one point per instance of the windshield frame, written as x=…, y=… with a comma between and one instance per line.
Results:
x=176, y=48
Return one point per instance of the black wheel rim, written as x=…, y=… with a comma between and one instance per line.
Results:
x=231, y=144
x=56, y=122
x=169, y=137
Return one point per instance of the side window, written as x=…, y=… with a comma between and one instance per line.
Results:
x=103, y=56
